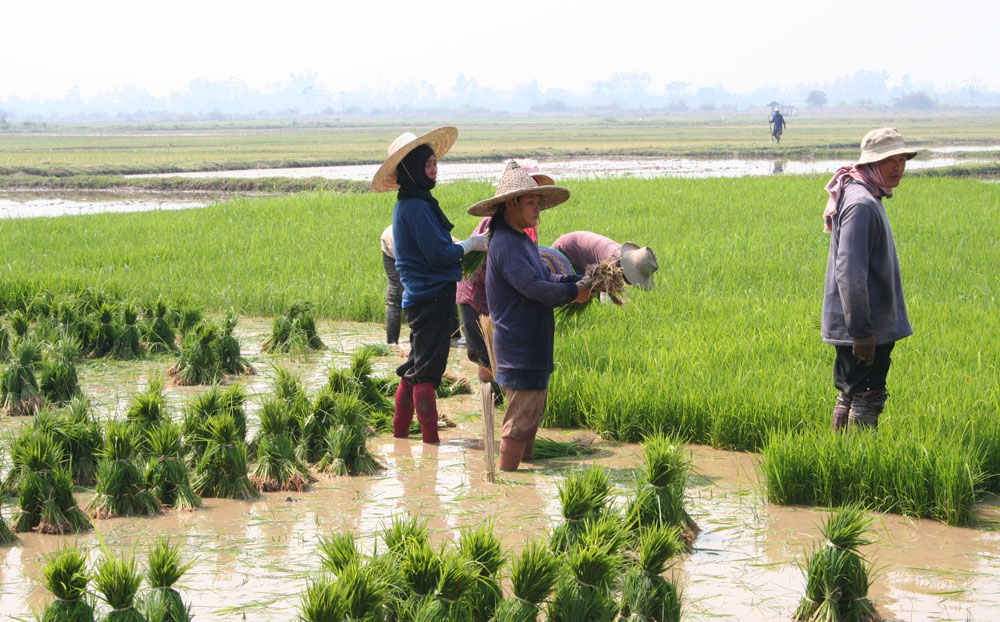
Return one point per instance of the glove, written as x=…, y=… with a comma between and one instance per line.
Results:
x=475, y=243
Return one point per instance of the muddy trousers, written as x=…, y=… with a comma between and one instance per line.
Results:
x=862, y=387
x=520, y=424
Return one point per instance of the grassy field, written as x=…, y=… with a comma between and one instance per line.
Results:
x=116, y=149
x=725, y=351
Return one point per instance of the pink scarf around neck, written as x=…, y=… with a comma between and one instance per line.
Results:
x=867, y=174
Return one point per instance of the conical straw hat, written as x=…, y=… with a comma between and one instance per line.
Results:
x=440, y=140
x=516, y=182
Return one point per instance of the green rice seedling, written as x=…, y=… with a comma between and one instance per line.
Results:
x=457, y=577
x=65, y=573
x=41, y=304
x=583, y=495
x=338, y=551
x=77, y=434
x=290, y=390
x=148, y=408
x=186, y=319
x=322, y=417
x=365, y=591
x=296, y=329
x=472, y=262
x=198, y=413
x=163, y=603
x=347, y=452
x=19, y=394
x=323, y=602
x=549, y=448
x=400, y=531
x=45, y=487
x=121, y=489
x=358, y=379
x=58, y=381
x=234, y=399
x=837, y=579
x=584, y=591
x=230, y=358
x=117, y=580
x=533, y=575
x=19, y=323
x=659, y=488
x=155, y=329
x=277, y=466
x=646, y=595
x=453, y=385
x=420, y=567
x=208, y=353
x=166, y=475
x=127, y=344
x=222, y=468
x=376, y=349
x=7, y=536
x=104, y=333
x=482, y=548
x=5, y=339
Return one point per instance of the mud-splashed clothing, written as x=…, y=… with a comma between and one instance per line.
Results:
x=863, y=293
x=522, y=293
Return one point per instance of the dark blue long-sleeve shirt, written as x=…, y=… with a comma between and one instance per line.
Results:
x=426, y=258
x=521, y=293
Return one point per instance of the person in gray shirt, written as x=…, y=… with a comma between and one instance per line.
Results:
x=864, y=314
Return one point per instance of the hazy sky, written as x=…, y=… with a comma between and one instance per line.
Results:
x=48, y=47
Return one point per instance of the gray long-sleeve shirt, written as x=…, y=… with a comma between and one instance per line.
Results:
x=864, y=292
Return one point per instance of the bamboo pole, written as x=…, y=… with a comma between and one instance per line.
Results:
x=486, y=394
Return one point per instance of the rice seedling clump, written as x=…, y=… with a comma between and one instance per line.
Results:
x=65, y=575
x=533, y=575
x=837, y=577
x=7, y=535
x=117, y=580
x=19, y=392
x=45, y=493
x=163, y=603
x=278, y=467
x=296, y=329
x=222, y=469
x=583, y=496
x=646, y=595
x=166, y=475
x=658, y=497
x=121, y=489
x=208, y=353
x=480, y=547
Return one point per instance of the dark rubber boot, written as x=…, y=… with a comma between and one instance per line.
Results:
x=511, y=452
x=393, y=319
x=841, y=410
x=866, y=408
x=425, y=400
x=402, y=415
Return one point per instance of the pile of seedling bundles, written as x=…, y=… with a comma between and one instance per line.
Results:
x=116, y=582
x=602, y=562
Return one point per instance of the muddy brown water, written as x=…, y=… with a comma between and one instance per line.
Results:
x=252, y=558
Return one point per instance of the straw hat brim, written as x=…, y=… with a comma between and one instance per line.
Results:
x=440, y=140
x=870, y=157
x=548, y=197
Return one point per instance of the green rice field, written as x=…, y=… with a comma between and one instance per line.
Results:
x=725, y=351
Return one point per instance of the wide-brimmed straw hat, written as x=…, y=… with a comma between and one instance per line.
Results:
x=516, y=182
x=883, y=143
x=639, y=264
x=440, y=140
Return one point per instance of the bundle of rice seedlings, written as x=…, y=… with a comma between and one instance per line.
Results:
x=377, y=349
x=7, y=536
x=646, y=595
x=83, y=440
x=19, y=322
x=117, y=579
x=277, y=466
x=549, y=448
x=148, y=408
x=58, y=381
x=156, y=330
x=208, y=353
x=163, y=603
x=19, y=394
x=5, y=340
x=205, y=407
x=347, y=451
x=365, y=591
x=337, y=551
x=837, y=577
x=605, y=277
x=166, y=475
x=234, y=399
x=66, y=576
x=583, y=495
x=187, y=318
x=121, y=489
x=289, y=389
x=453, y=385
x=584, y=591
x=222, y=468
x=127, y=345
x=104, y=333
x=321, y=417
x=420, y=567
x=323, y=602
x=659, y=487
x=358, y=379
x=45, y=491
x=230, y=359
x=533, y=575
x=457, y=576
x=472, y=262
x=296, y=329
x=482, y=549
x=400, y=532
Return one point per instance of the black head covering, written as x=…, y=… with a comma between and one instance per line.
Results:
x=415, y=184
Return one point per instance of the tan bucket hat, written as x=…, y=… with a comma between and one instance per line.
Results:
x=516, y=182
x=639, y=264
x=440, y=140
x=883, y=143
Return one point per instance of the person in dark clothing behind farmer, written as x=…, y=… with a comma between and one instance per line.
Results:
x=429, y=265
x=393, y=289
x=777, y=125
x=584, y=248
x=864, y=314
x=521, y=293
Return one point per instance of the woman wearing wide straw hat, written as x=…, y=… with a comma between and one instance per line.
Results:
x=521, y=293
x=864, y=314
x=584, y=248
x=428, y=262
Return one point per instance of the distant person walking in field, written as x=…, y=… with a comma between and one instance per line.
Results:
x=428, y=264
x=471, y=293
x=584, y=248
x=777, y=125
x=521, y=293
x=864, y=314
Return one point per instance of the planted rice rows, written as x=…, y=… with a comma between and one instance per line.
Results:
x=725, y=351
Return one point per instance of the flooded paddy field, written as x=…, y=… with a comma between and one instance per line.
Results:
x=252, y=558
